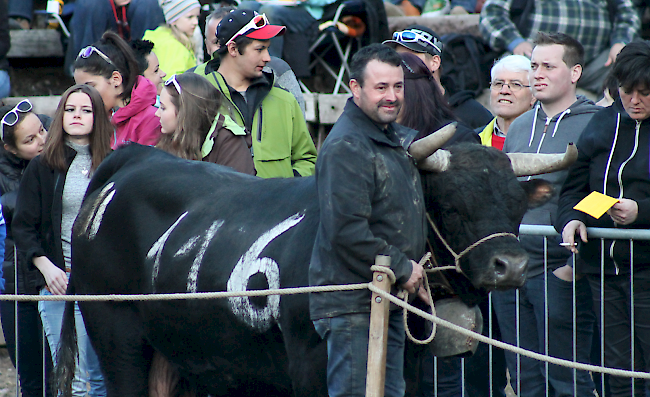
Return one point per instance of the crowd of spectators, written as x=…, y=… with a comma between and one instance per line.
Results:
x=225, y=95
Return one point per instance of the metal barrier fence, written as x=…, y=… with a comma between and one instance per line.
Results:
x=485, y=373
x=457, y=377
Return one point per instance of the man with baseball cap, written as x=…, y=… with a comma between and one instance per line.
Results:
x=423, y=42
x=276, y=129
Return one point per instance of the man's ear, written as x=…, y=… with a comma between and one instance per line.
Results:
x=232, y=49
x=576, y=72
x=434, y=63
x=355, y=87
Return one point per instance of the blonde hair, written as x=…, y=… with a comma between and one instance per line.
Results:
x=187, y=41
x=197, y=106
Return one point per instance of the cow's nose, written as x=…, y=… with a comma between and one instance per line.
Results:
x=510, y=269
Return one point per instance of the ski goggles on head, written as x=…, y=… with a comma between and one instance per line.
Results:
x=172, y=80
x=413, y=36
x=88, y=51
x=258, y=22
x=11, y=118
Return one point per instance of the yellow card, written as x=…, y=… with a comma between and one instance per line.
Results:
x=595, y=204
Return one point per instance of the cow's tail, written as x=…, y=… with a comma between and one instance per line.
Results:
x=66, y=356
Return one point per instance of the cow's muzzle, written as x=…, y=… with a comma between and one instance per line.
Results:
x=509, y=270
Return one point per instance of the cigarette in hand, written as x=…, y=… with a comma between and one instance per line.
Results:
x=567, y=244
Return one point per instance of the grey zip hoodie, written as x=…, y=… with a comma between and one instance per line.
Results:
x=535, y=132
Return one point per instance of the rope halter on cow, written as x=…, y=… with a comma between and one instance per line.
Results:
x=438, y=268
x=466, y=250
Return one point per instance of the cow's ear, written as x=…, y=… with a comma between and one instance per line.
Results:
x=539, y=192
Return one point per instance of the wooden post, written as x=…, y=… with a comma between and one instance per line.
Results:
x=377, y=343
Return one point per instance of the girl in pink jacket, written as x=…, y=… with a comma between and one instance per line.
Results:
x=110, y=66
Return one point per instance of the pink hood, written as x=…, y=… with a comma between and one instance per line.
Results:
x=137, y=122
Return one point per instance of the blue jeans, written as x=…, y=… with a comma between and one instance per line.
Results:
x=347, y=354
x=296, y=18
x=617, y=330
x=5, y=84
x=87, y=369
x=532, y=325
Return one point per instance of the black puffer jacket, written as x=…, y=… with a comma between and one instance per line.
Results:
x=37, y=220
x=371, y=203
x=11, y=171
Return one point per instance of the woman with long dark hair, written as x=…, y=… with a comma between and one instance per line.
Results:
x=425, y=109
x=110, y=65
x=49, y=199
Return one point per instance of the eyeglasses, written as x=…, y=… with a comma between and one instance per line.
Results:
x=88, y=51
x=412, y=36
x=258, y=22
x=513, y=86
x=172, y=80
x=11, y=118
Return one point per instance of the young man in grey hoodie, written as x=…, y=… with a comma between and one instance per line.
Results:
x=558, y=118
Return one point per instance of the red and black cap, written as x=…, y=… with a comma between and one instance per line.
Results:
x=246, y=23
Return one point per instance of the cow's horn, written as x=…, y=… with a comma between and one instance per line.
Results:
x=528, y=164
x=423, y=148
x=437, y=162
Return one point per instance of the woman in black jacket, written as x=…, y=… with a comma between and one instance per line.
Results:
x=23, y=140
x=49, y=199
x=613, y=160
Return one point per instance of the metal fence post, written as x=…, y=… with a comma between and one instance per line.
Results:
x=378, y=337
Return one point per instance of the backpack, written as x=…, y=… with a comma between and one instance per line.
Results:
x=466, y=63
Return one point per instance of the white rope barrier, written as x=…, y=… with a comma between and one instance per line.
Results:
x=327, y=288
x=181, y=296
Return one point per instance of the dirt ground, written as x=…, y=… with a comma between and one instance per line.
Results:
x=7, y=375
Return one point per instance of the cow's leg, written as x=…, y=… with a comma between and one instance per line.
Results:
x=117, y=335
x=306, y=351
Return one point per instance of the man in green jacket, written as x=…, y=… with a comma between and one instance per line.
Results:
x=276, y=129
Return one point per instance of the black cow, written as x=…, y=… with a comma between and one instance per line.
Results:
x=152, y=223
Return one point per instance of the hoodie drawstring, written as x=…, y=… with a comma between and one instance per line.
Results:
x=557, y=123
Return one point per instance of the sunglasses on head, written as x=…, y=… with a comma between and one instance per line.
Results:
x=88, y=51
x=172, y=80
x=258, y=22
x=413, y=36
x=11, y=118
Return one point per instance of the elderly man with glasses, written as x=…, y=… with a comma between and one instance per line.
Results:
x=510, y=97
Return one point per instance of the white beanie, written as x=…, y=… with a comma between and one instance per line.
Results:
x=174, y=9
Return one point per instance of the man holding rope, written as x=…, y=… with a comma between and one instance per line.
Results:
x=371, y=204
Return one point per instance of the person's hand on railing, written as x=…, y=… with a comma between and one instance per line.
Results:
x=624, y=212
x=569, y=232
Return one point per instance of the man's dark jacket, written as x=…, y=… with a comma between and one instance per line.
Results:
x=371, y=204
